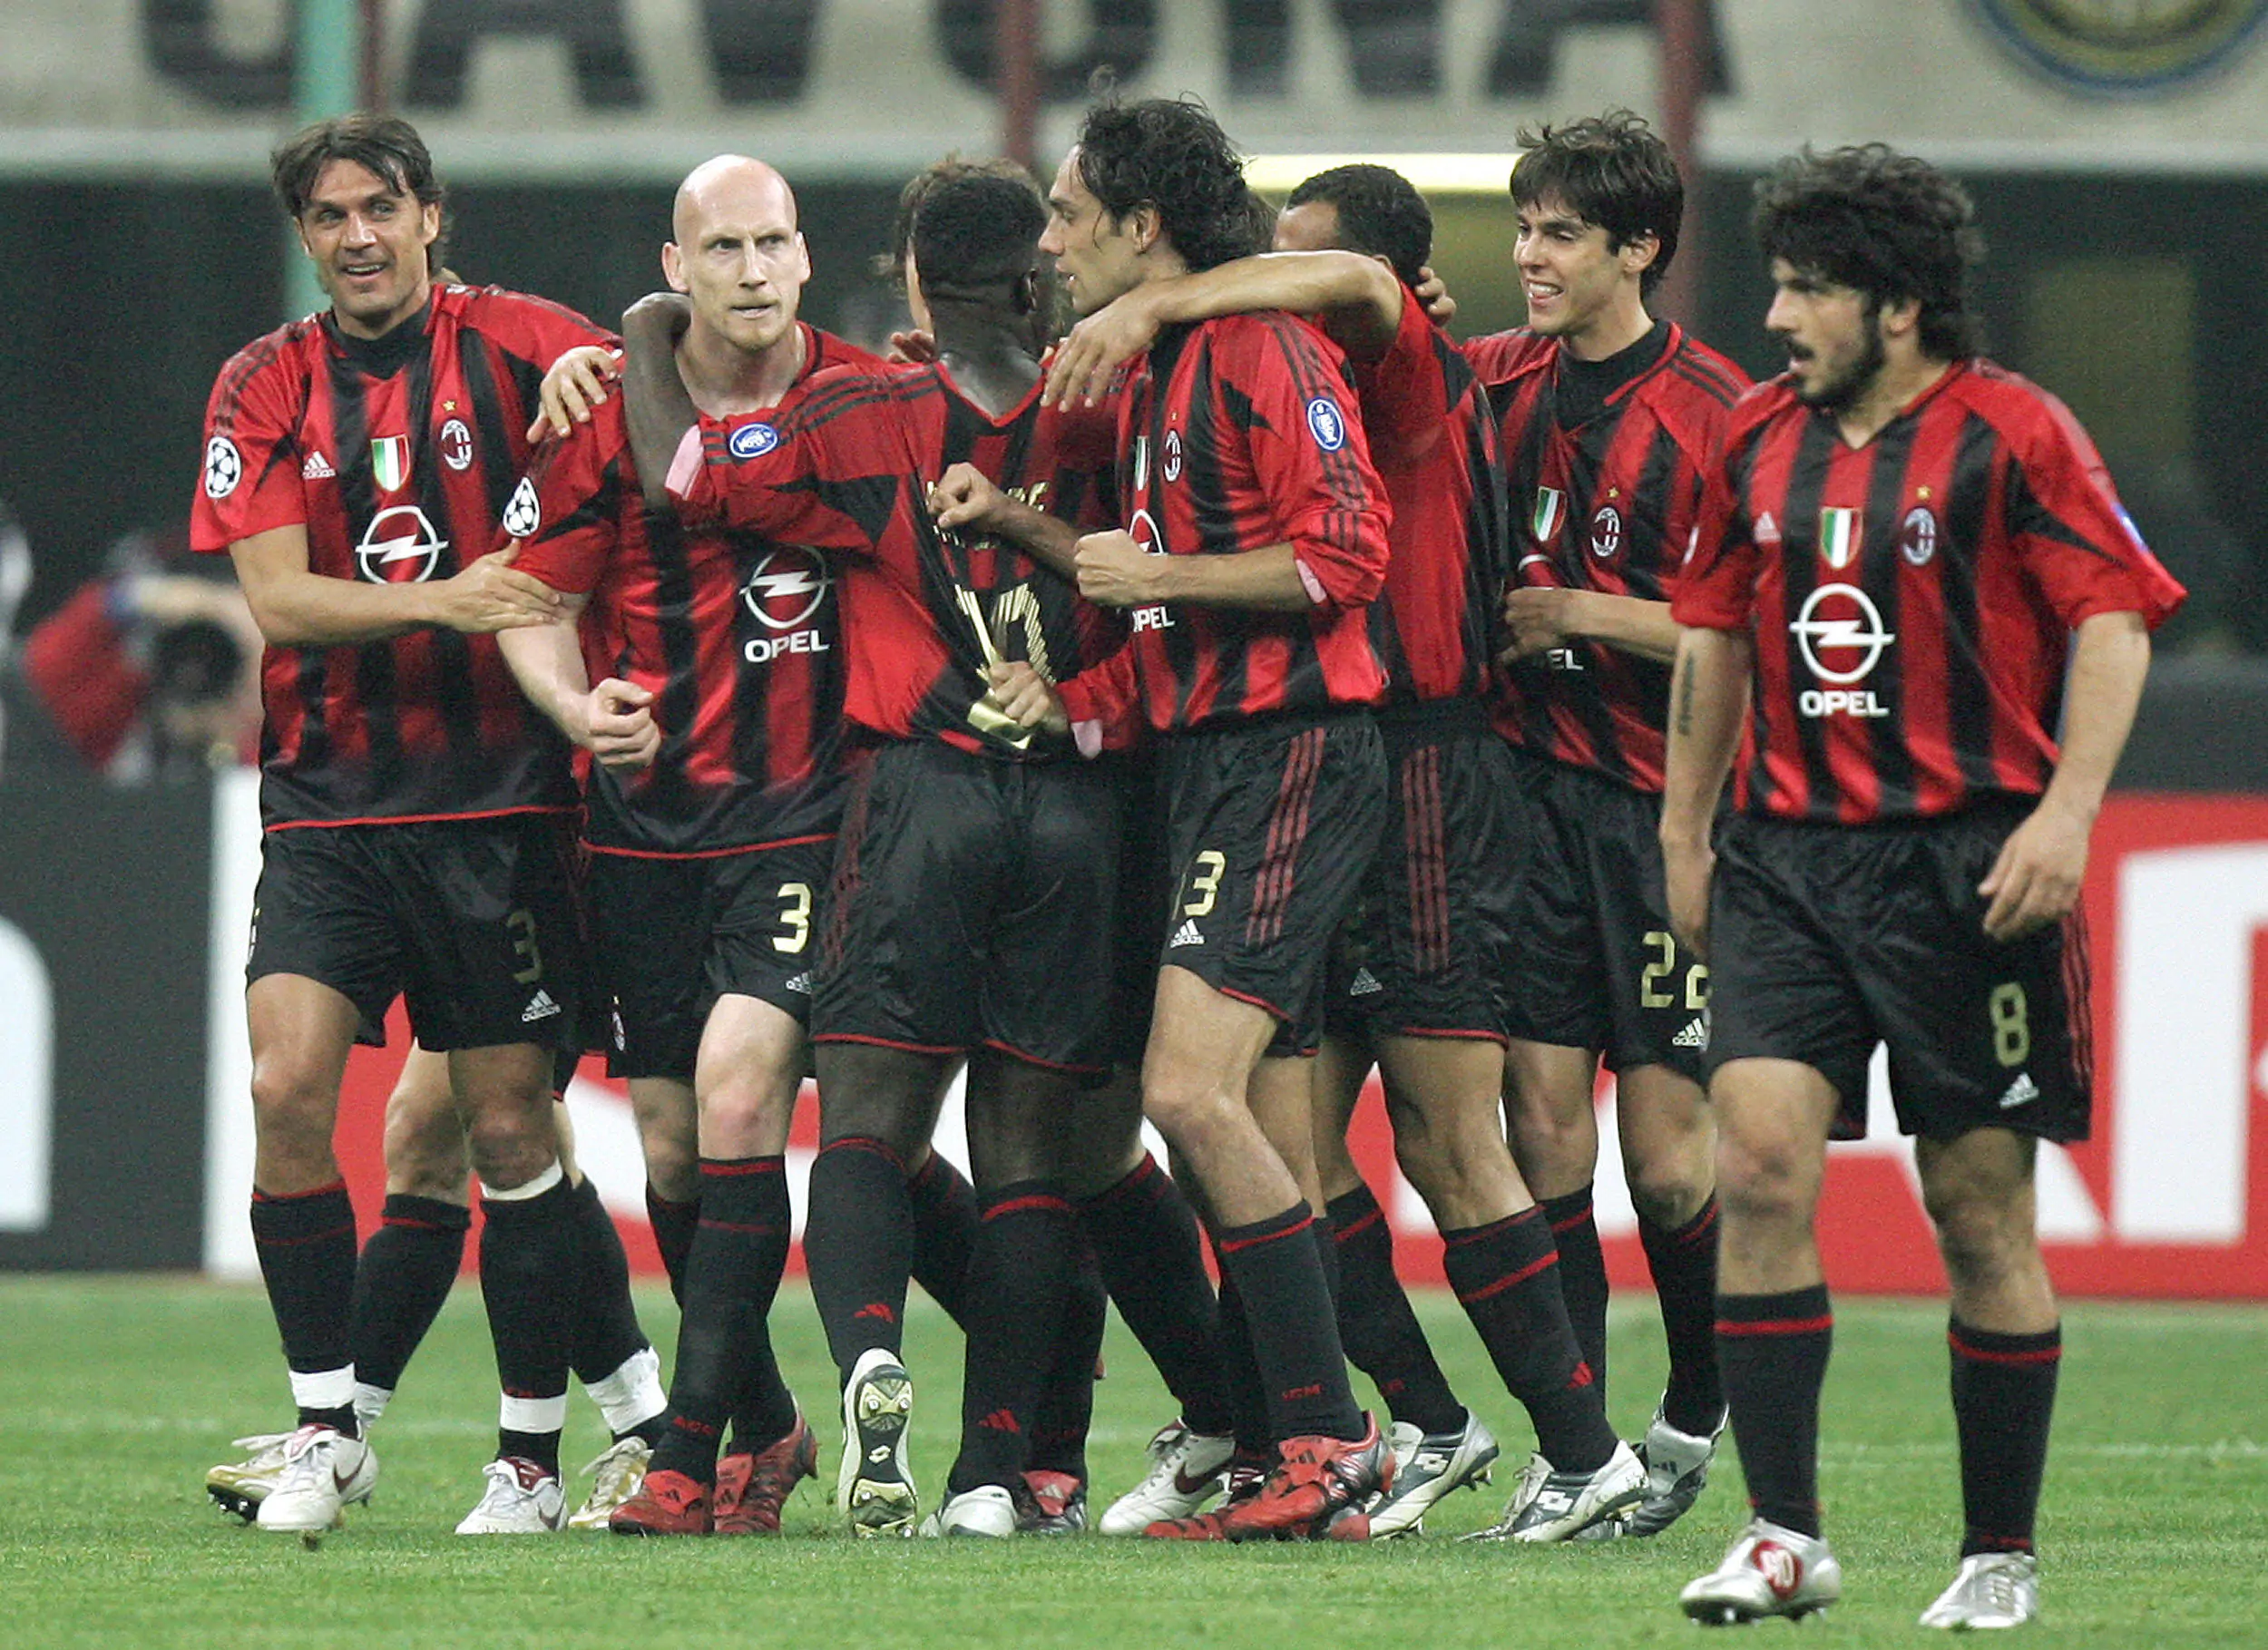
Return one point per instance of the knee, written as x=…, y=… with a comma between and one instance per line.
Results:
x=425, y=1151
x=1668, y=1191
x=291, y=1100
x=511, y=1144
x=1764, y=1179
x=1983, y=1239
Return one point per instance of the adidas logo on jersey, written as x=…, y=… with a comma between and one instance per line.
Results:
x=2021, y=1092
x=1187, y=934
x=1363, y=983
x=1695, y=1036
x=540, y=1007
x=317, y=468
x=800, y=984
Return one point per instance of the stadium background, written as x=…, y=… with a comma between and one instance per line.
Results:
x=2118, y=152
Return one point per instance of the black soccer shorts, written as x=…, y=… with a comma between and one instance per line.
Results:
x=1271, y=826
x=1423, y=952
x=674, y=934
x=1828, y=939
x=1593, y=963
x=473, y=921
x=974, y=905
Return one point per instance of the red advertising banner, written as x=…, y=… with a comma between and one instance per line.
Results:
x=2169, y=1199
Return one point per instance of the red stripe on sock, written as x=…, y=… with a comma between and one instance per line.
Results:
x=1510, y=1280
x=1778, y=1326
x=2037, y=1355
x=1360, y=1225
x=1037, y=1200
x=320, y=1191
x=1231, y=1245
x=863, y=1143
x=753, y=1166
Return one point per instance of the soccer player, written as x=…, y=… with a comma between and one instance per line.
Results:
x=354, y=462
x=1606, y=412
x=1414, y=982
x=712, y=808
x=1909, y=570
x=1256, y=538
x=975, y=882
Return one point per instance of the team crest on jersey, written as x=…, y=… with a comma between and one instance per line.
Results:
x=455, y=443
x=1550, y=512
x=1606, y=532
x=399, y=547
x=523, y=512
x=389, y=462
x=1171, y=469
x=1839, y=537
x=787, y=586
x=1326, y=424
x=224, y=467
x=752, y=441
x=1917, y=536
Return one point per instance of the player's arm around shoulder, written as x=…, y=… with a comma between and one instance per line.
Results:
x=296, y=606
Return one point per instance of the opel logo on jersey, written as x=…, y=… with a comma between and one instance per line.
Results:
x=399, y=547
x=752, y=441
x=1606, y=532
x=224, y=467
x=1326, y=424
x=1839, y=622
x=1917, y=536
x=787, y=586
x=456, y=442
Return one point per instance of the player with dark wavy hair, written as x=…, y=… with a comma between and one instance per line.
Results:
x=1910, y=574
x=1610, y=170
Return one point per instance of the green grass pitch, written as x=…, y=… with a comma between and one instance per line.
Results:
x=116, y=1394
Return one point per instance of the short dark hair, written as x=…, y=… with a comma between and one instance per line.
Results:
x=976, y=230
x=1882, y=223
x=890, y=264
x=1170, y=154
x=383, y=144
x=1612, y=170
x=1380, y=212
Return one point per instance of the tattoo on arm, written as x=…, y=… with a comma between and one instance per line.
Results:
x=1685, y=701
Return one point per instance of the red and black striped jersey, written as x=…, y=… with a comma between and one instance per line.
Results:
x=737, y=636
x=400, y=456
x=1233, y=436
x=1432, y=437
x=1911, y=600
x=848, y=469
x=1602, y=498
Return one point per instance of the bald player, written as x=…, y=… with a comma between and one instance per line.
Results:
x=715, y=725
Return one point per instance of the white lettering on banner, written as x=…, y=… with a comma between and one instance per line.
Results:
x=2179, y=1162
x=27, y=1093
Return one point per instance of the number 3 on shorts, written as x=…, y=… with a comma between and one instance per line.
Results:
x=795, y=918
x=1206, y=884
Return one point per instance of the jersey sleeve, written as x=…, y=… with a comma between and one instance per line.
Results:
x=1104, y=704
x=1714, y=585
x=251, y=483
x=1404, y=394
x=827, y=472
x=1312, y=460
x=574, y=491
x=2071, y=533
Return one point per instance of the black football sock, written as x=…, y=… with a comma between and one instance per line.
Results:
x=858, y=1243
x=606, y=1333
x=945, y=1233
x=674, y=1224
x=1065, y=1408
x=306, y=1243
x=764, y=1411
x=1146, y=1240
x=1505, y=1276
x=1279, y=1269
x=1025, y=1253
x=1582, y=1277
x=1772, y=1350
x=730, y=1276
x=401, y=1281
x=531, y=1265
x=1377, y=1325
x=1684, y=1264
x=2004, y=1396
x=1241, y=1368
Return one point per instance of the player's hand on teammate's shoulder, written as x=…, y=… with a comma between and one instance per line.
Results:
x=1026, y=698
x=1080, y=368
x=491, y=595
x=1536, y=619
x=572, y=388
x=2036, y=879
x=1433, y=293
x=912, y=347
x=619, y=726
x=1114, y=572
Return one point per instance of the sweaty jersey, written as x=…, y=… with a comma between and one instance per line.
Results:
x=1433, y=439
x=1911, y=600
x=400, y=457
x=737, y=636
x=1602, y=498
x=1234, y=435
x=925, y=611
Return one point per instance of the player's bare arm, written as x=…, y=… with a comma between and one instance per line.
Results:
x=1708, y=706
x=1027, y=698
x=613, y=720
x=965, y=499
x=572, y=388
x=657, y=407
x=1115, y=571
x=1540, y=618
x=1358, y=297
x=2035, y=879
x=297, y=607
